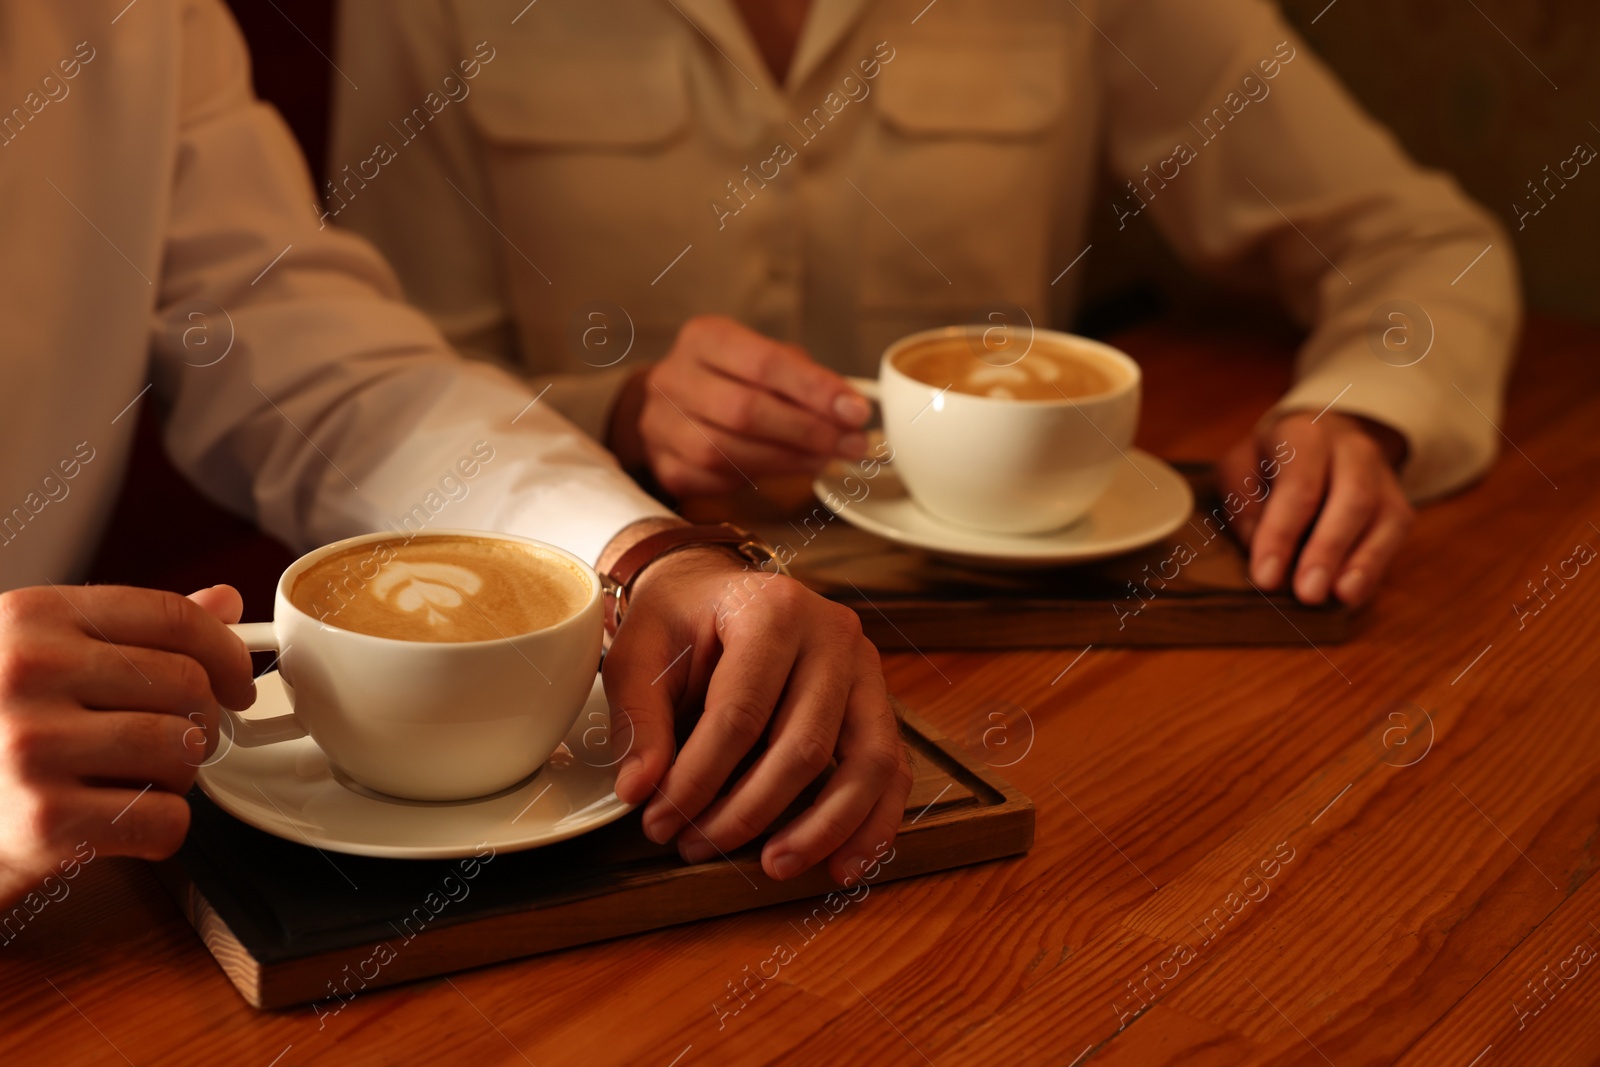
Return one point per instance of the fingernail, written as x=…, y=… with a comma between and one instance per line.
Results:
x=854, y=868
x=660, y=825
x=852, y=409
x=1269, y=572
x=625, y=773
x=697, y=850
x=786, y=865
x=1313, y=585
x=1352, y=586
x=853, y=446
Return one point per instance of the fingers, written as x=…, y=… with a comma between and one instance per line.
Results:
x=741, y=353
x=728, y=405
x=130, y=678
x=864, y=801
x=99, y=676
x=1342, y=486
x=790, y=650
x=752, y=413
x=167, y=621
x=146, y=824
x=851, y=860
x=711, y=448
x=682, y=478
x=803, y=737
x=223, y=601
x=643, y=703
x=1354, y=474
x=126, y=747
x=1234, y=470
x=149, y=825
x=1290, y=506
x=1373, y=555
x=740, y=697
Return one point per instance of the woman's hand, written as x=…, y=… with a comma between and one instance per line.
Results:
x=1339, y=484
x=728, y=405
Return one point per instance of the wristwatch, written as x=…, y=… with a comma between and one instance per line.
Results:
x=617, y=583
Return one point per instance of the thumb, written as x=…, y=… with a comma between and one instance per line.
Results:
x=223, y=601
x=641, y=687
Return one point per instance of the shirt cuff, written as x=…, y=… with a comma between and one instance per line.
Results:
x=1445, y=450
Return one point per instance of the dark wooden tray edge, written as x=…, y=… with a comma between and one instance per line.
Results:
x=1003, y=826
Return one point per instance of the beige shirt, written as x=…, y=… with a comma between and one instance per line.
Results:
x=555, y=180
x=161, y=247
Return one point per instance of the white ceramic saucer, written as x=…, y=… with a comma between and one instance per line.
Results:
x=1147, y=500
x=289, y=789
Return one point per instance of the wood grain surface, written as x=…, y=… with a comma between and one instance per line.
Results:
x=1367, y=854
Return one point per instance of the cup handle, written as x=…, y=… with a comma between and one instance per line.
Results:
x=253, y=733
x=257, y=636
x=867, y=387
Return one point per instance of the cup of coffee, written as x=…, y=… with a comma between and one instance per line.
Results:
x=994, y=440
x=440, y=666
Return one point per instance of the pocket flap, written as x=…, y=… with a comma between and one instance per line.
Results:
x=1008, y=87
x=633, y=99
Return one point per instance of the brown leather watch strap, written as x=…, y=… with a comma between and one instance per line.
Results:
x=619, y=579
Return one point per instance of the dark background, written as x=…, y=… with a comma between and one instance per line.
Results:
x=1490, y=90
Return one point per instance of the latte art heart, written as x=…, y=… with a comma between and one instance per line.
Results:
x=442, y=587
x=426, y=587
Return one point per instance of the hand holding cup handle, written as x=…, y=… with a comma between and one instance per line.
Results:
x=253, y=733
x=424, y=719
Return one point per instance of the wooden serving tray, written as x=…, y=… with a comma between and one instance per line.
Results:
x=288, y=927
x=910, y=600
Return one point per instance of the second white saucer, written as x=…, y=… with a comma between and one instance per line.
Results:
x=1147, y=500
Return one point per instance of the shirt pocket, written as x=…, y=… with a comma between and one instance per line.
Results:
x=585, y=149
x=577, y=102
x=966, y=162
x=588, y=158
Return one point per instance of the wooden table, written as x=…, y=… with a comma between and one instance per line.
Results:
x=1237, y=861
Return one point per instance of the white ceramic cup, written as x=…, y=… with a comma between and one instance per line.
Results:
x=1002, y=465
x=427, y=720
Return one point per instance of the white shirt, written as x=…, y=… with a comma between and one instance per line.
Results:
x=921, y=164
x=162, y=247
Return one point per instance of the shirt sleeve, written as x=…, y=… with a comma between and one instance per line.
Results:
x=430, y=208
x=1258, y=166
x=301, y=390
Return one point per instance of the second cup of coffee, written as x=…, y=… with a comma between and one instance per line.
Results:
x=1007, y=443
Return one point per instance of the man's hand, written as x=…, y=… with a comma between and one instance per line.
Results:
x=105, y=691
x=727, y=404
x=772, y=660
x=1338, y=482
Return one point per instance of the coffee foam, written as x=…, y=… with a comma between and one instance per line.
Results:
x=442, y=588
x=1042, y=374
